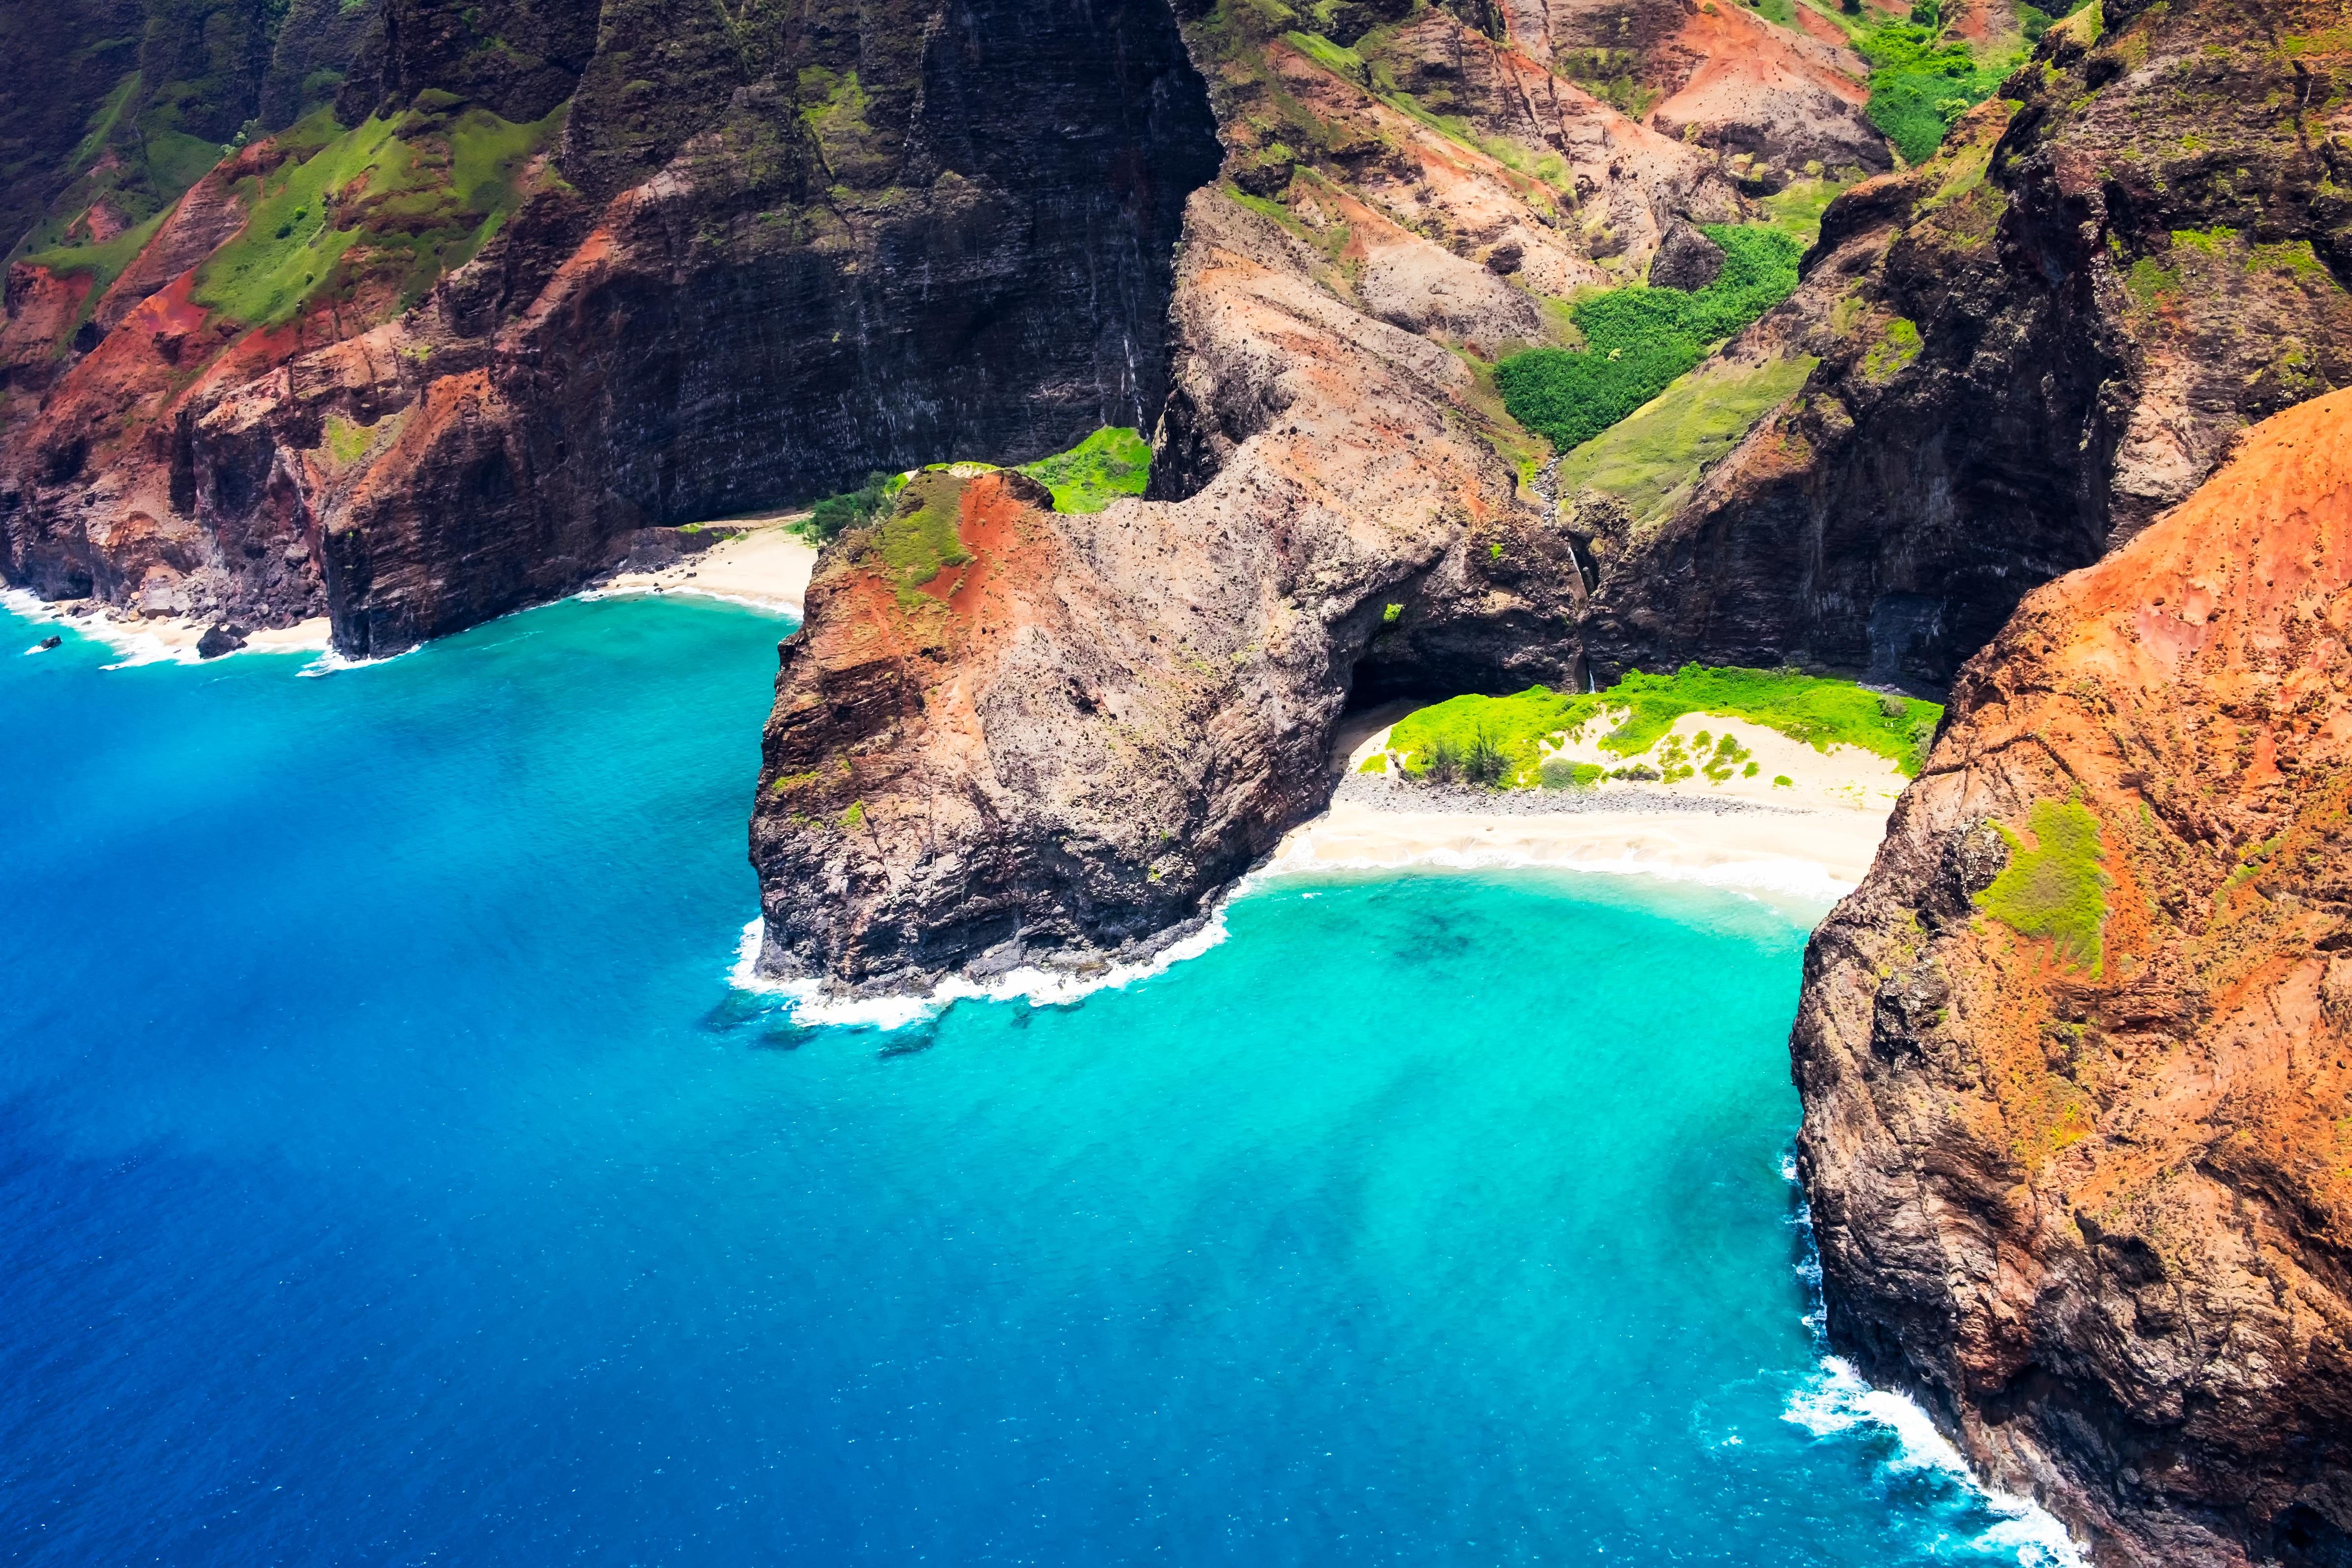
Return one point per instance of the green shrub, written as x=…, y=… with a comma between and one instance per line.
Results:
x=2056, y=889
x=1509, y=725
x=1639, y=340
x=1919, y=83
x=1484, y=763
x=1559, y=773
x=1782, y=781
x=1447, y=739
x=851, y=509
x=1114, y=462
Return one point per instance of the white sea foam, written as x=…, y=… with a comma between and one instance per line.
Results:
x=1835, y=1399
x=1038, y=987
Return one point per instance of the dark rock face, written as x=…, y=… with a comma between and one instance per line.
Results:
x=518, y=58
x=2079, y=1178
x=220, y=639
x=876, y=236
x=971, y=259
x=1055, y=751
x=2028, y=349
x=1686, y=260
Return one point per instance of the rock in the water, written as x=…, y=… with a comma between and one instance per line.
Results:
x=2076, y=1057
x=220, y=639
x=1688, y=260
x=47, y=643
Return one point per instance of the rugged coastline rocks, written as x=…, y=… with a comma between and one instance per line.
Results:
x=2076, y=1058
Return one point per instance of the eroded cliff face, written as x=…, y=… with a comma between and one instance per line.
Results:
x=2027, y=349
x=719, y=264
x=1054, y=752
x=1059, y=755
x=2076, y=1057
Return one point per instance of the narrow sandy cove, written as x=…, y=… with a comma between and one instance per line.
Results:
x=769, y=567
x=1836, y=844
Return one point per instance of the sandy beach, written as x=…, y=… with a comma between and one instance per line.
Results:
x=1823, y=852
x=156, y=639
x=1818, y=831
x=769, y=567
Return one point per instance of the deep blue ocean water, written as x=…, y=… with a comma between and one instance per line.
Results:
x=388, y=1175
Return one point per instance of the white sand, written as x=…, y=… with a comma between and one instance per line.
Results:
x=1843, y=778
x=1833, y=814
x=769, y=568
x=158, y=639
x=1823, y=852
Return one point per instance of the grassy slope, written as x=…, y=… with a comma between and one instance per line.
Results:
x=412, y=199
x=1114, y=462
x=1651, y=459
x=2056, y=889
x=1641, y=339
x=1821, y=712
x=921, y=535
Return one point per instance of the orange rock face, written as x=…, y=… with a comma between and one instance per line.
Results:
x=2094, y=1197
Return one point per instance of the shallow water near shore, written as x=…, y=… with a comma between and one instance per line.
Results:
x=389, y=1173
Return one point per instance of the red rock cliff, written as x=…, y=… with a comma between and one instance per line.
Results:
x=2076, y=1057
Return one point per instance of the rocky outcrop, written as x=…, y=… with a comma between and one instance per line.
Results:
x=863, y=240
x=2076, y=1057
x=1050, y=740
x=2027, y=348
x=1721, y=76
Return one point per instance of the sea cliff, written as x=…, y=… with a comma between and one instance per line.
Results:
x=2076, y=1057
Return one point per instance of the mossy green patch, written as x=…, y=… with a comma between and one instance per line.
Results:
x=920, y=538
x=410, y=199
x=1896, y=349
x=347, y=441
x=105, y=261
x=2055, y=887
x=1651, y=459
x=1114, y=462
x=1796, y=209
x=1640, y=338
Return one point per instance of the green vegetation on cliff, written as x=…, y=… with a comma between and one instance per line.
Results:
x=1639, y=340
x=1820, y=711
x=1448, y=738
x=2056, y=889
x=403, y=202
x=1651, y=459
x=922, y=535
x=1921, y=82
x=1114, y=462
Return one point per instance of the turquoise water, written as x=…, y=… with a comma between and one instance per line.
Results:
x=388, y=1175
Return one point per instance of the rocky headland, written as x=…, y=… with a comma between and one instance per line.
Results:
x=405, y=314
x=2076, y=1058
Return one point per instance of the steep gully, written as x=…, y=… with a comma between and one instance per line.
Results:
x=736, y=261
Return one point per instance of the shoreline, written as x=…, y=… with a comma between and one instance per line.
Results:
x=158, y=640
x=766, y=567
x=1812, y=853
